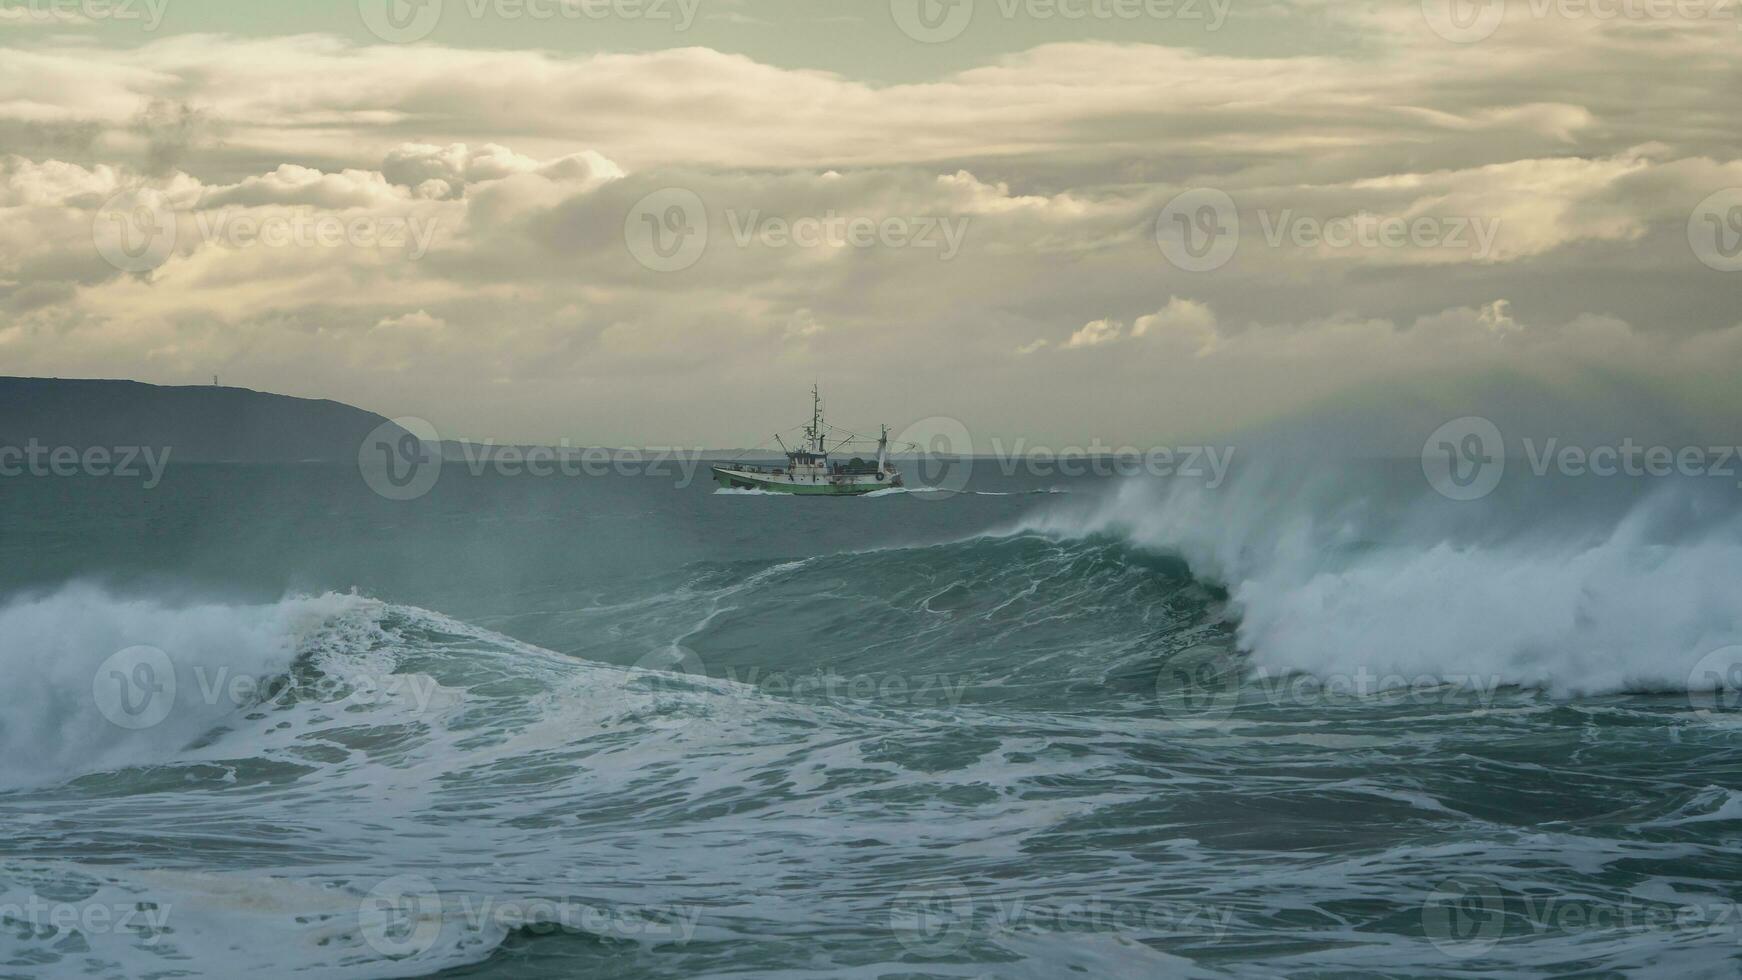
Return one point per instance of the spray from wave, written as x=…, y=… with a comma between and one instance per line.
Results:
x=93, y=676
x=1345, y=571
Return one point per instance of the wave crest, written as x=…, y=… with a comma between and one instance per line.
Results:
x=1335, y=573
x=98, y=682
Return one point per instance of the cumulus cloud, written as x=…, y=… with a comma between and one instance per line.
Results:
x=1095, y=333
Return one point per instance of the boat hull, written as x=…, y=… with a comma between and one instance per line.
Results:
x=822, y=486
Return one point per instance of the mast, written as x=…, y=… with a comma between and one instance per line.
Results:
x=883, y=451
x=816, y=430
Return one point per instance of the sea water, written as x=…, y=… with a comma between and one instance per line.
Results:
x=1319, y=720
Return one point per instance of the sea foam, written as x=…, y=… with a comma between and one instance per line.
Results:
x=1333, y=575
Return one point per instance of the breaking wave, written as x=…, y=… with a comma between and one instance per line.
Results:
x=1338, y=571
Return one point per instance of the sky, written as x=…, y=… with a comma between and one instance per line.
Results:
x=1073, y=222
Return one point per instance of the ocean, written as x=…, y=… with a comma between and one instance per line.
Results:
x=1316, y=720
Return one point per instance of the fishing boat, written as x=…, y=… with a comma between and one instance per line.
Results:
x=814, y=467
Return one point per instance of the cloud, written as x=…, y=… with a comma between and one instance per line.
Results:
x=412, y=323
x=1181, y=322
x=291, y=184
x=172, y=130
x=1095, y=333
x=1571, y=156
